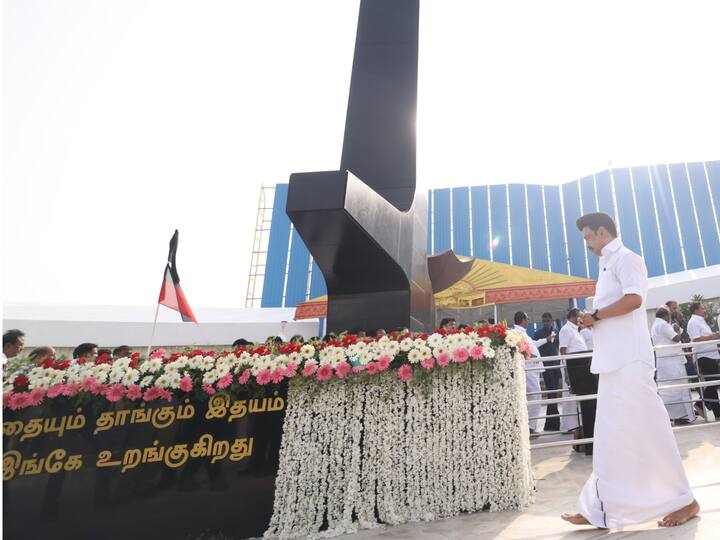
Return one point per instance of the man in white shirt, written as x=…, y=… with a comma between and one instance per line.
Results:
x=532, y=378
x=637, y=473
x=706, y=356
x=671, y=368
x=570, y=342
x=13, y=344
x=587, y=335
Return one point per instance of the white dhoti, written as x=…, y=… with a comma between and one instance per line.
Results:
x=532, y=381
x=568, y=410
x=637, y=470
x=674, y=373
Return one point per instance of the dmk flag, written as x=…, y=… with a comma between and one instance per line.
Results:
x=171, y=295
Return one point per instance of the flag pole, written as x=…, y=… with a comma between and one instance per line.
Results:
x=152, y=334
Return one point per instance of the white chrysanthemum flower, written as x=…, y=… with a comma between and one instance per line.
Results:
x=209, y=377
x=406, y=344
x=512, y=338
x=130, y=376
x=307, y=351
x=434, y=340
x=146, y=381
x=440, y=349
x=121, y=363
x=172, y=367
x=163, y=381
x=489, y=352
x=415, y=356
x=151, y=366
x=207, y=363
x=116, y=376
x=174, y=380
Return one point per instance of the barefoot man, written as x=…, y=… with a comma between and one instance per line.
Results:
x=637, y=470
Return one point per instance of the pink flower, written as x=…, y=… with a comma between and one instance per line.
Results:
x=324, y=373
x=524, y=346
x=291, y=370
x=152, y=393
x=358, y=369
x=309, y=370
x=443, y=359
x=6, y=399
x=115, y=392
x=186, y=384
x=461, y=355
x=133, y=392
x=19, y=400
x=277, y=375
x=383, y=363
x=245, y=377
x=208, y=388
x=405, y=372
x=89, y=384
x=428, y=363
x=55, y=390
x=224, y=381
x=165, y=394
x=263, y=377
x=71, y=389
x=371, y=368
x=157, y=353
x=477, y=352
x=342, y=370
x=98, y=390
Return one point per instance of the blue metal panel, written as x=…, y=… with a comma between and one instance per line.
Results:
x=441, y=207
x=317, y=282
x=686, y=216
x=629, y=233
x=604, y=193
x=576, y=244
x=518, y=226
x=461, y=220
x=648, y=225
x=704, y=211
x=556, y=230
x=589, y=204
x=480, y=222
x=429, y=223
x=536, y=217
x=581, y=303
x=297, y=272
x=666, y=218
x=713, y=171
x=277, y=251
x=498, y=215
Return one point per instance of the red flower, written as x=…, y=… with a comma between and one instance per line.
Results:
x=104, y=358
x=62, y=365
x=21, y=383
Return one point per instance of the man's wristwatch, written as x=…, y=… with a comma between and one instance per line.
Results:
x=595, y=315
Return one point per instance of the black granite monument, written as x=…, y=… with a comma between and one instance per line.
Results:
x=364, y=224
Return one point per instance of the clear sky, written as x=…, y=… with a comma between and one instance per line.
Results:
x=123, y=120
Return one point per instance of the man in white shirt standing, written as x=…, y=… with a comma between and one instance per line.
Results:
x=532, y=378
x=671, y=368
x=570, y=342
x=587, y=335
x=637, y=473
x=706, y=356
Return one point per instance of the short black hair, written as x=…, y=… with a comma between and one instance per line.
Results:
x=82, y=349
x=661, y=313
x=40, y=353
x=520, y=316
x=547, y=315
x=670, y=302
x=241, y=342
x=11, y=337
x=574, y=312
x=695, y=306
x=104, y=351
x=595, y=220
x=462, y=326
x=445, y=321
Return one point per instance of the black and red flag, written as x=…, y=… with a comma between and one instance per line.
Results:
x=171, y=295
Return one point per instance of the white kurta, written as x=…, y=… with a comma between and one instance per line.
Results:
x=570, y=339
x=671, y=370
x=637, y=470
x=532, y=380
x=637, y=473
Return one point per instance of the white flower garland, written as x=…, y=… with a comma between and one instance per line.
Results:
x=362, y=452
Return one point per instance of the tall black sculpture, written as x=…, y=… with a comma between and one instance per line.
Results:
x=364, y=224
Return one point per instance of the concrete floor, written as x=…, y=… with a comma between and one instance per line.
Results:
x=561, y=473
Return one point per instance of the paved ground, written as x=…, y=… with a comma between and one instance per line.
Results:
x=561, y=473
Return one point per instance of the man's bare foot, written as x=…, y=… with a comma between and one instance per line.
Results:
x=678, y=517
x=575, y=519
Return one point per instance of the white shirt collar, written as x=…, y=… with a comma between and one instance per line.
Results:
x=611, y=247
x=520, y=329
x=698, y=318
x=572, y=325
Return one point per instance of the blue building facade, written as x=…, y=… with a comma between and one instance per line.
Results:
x=668, y=213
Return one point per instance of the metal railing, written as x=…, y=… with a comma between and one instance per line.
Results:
x=698, y=385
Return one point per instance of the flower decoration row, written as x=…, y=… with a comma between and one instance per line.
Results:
x=164, y=376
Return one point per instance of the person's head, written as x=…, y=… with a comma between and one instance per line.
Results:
x=39, y=354
x=521, y=319
x=106, y=352
x=123, y=351
x=672, y=306
x=448, y=323
x=573, y=315
x=380, y=332
x=13, y=343
x=547, y=320
x=598, y=230
x=491, y=321
x=88, y=351
x=663, y=313
x=697, y=308
x=242, y=342
x=297, y=338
